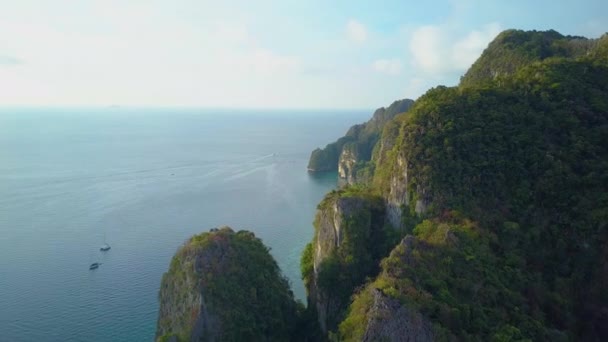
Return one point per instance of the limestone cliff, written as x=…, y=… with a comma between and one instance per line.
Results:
x=402, y=197
x=349, y=239
x=346, y=164
x=357, y=145
x=390, y=320
x=376, y=315
x=398, y=197
x=501, y=183
x=224, y=286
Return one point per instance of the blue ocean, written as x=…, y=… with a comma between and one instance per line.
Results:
x=142, y=180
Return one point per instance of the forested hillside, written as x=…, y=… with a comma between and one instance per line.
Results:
x=499, y=187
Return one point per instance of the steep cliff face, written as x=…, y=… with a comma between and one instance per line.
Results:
x=346, y=164
x=349, y=240
x=183, y=312
x=225, y=286
x=389, y=308
x=397, y=199
x=402, y=197
x=360, y=141
x=330, y=235
x=389, y=320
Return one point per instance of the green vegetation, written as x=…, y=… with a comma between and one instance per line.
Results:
x=362, y=138
x=307, y=264
x=451, y=276
x=515, y=169
x=350, y=255
x=243, y=291
x=327, y=159
x=513, y=49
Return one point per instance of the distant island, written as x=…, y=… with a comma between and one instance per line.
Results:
x=477, y=212
x=351, y=155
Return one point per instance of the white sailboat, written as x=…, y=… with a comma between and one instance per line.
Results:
x=105, y=247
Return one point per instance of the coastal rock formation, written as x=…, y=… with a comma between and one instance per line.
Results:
x=346, y=164
x=349, y=238
x=501, y=183
x=398, y=197
x=349, y=153
x=224, y=286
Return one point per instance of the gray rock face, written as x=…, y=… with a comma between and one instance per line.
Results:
x=183, y=297
x=346, y=164
x=216, y=276
x=388, y=320
x=328, y=239
x=398, y=195
x=361, y=137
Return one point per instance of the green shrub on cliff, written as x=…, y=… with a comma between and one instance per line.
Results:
x=307, y=263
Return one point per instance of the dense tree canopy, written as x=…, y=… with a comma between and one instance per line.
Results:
x=516, y=171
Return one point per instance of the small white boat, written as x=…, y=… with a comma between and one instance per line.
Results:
x=105, y=247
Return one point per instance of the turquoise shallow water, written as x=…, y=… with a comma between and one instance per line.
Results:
x=147, y=179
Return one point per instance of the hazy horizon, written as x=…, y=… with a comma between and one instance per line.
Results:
x=271, y=54
x=178, y=107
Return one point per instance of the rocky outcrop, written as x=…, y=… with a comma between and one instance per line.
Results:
x=398, y=197
x=183, y=313
x=389, y=320
x=359, y=138
x=376, y=315
x=328, y=240
x=218, y=276
x=347, y=162
x=348, y=227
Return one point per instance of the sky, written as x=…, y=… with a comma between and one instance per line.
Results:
x=257, y=53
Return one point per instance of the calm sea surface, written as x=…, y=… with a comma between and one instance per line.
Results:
x=146, y=180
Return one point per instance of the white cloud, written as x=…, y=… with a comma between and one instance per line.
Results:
x=266, y=61
x=594, y=28
x=426, y=46
x=469, y=48
x=438, y=49
x=356, y=31
x=212, y=54
x=388, y=66
x=415, y=86
x=152, y=63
